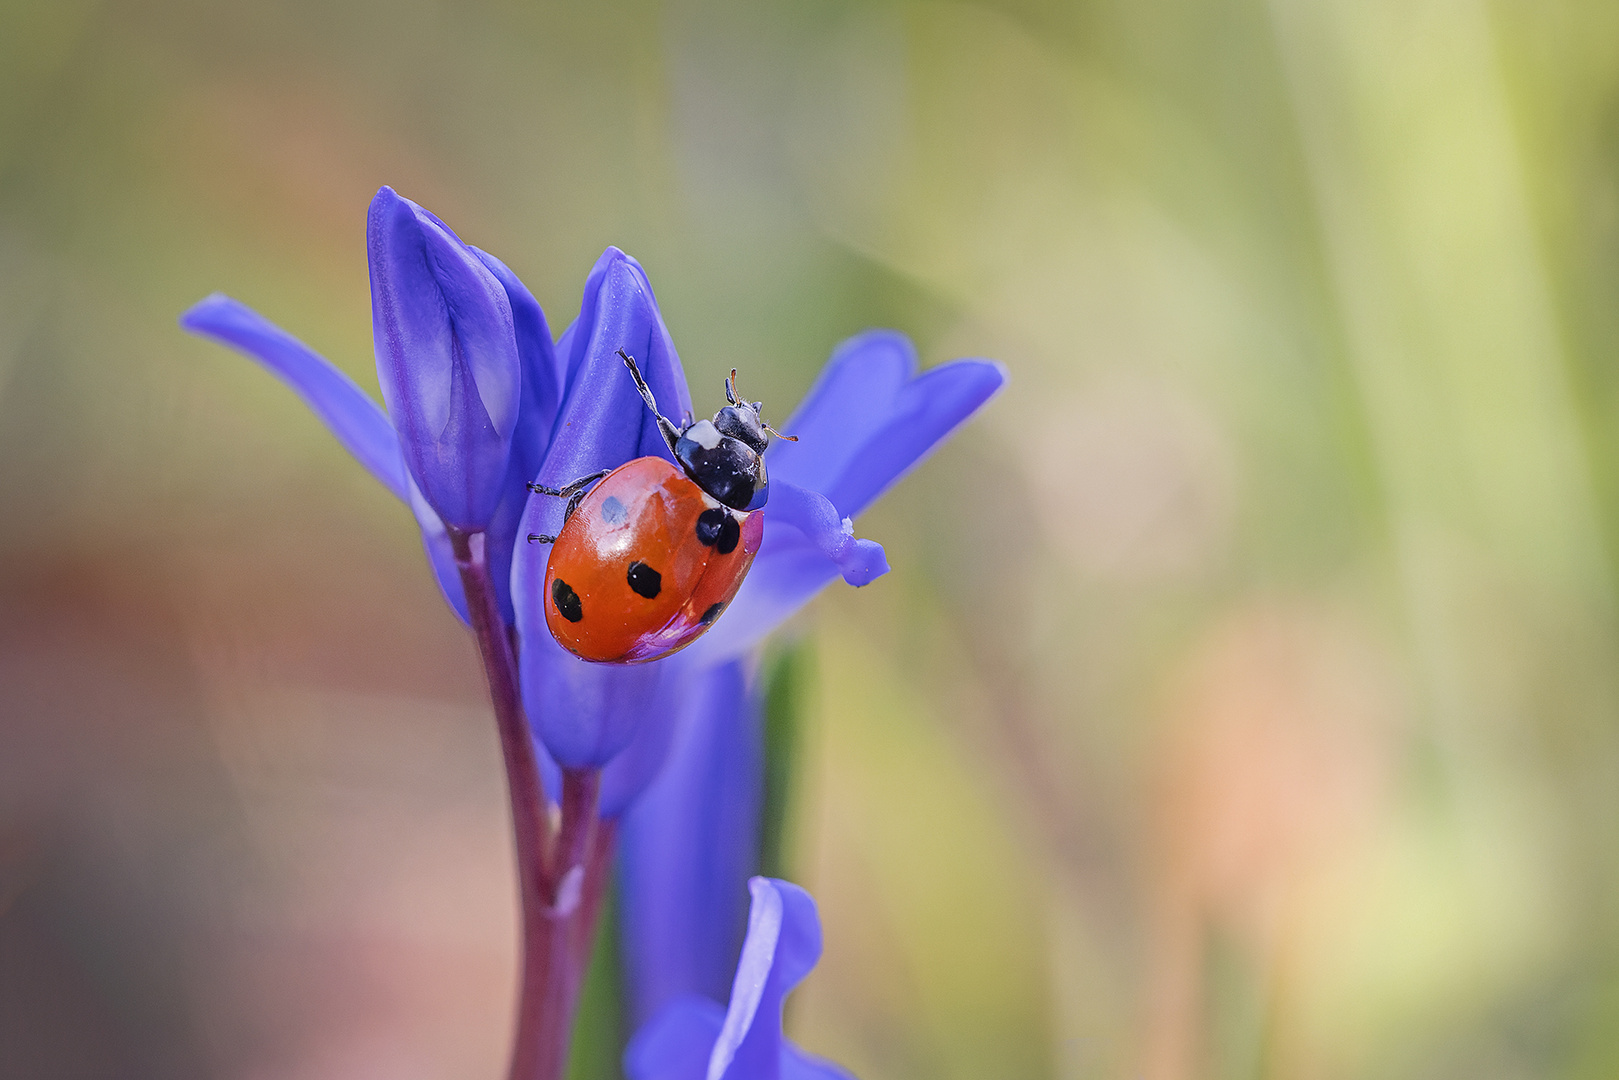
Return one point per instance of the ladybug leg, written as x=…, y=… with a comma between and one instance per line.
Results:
x=670, y=434
x=573, y=491
x=573, y=504
x=572, y=487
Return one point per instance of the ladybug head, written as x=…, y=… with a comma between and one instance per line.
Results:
x=723, y=456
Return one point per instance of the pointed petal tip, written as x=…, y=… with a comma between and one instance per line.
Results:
x=1001, y=372
x=610, y=256
x=978, y=381
x=198, y=318
x=615, y=259
x=995, y=373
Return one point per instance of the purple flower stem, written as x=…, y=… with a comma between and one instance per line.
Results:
x=530, y=827
x=560, y=939
x=561, y=879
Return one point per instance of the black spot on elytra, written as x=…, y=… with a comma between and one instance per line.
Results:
x=709, y=525
x=712, y=613
x=644, y=580
x=730, y=533
x=613, y=511
x=717, y=528
x=566, y=600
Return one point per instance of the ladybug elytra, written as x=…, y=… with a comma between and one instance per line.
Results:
x=650, y=556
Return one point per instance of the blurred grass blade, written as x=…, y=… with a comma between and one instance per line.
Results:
x=788, y=678
x=598, y=1033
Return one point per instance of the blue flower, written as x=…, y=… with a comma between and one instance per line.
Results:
x=693, y=1038
x=482, y=402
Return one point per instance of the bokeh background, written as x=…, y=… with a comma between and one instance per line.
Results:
x=1245, y=699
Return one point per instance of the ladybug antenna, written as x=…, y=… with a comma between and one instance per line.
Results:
x=665, y=428
x=758, y=408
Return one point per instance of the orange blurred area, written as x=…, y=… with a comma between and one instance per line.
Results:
x=1243, y=700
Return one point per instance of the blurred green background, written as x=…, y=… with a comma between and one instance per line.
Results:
x=1242, y=705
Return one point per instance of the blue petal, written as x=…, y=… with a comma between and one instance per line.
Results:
x=688, y=844
x=603, y=422
x=440, y=555
x=586, y=713
x=782, y=946
x=677, y=1044
x=869, y=418
x=541, y=397
x=688, y=1040
x=346, y=410
x=447, y=359
x=618, y=282
x=564, y=348
x=811, y=513
x=626, y=776
x=542, y=372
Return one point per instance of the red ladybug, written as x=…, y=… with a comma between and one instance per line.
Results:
x=648, y=559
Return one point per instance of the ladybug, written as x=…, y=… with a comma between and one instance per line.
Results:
x=649, y=557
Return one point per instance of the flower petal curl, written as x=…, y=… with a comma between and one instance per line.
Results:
x=859, y=561
x=536, y=423
x=541, y=372
x=783, y=944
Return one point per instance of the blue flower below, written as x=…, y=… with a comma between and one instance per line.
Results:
x=694, y=1039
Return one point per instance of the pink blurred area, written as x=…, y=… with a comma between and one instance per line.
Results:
x=254, y=821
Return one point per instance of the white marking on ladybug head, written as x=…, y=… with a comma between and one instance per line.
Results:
x=704, y=434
